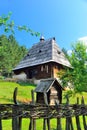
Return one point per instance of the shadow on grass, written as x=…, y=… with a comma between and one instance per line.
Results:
x=7, y=100
x=22, y=83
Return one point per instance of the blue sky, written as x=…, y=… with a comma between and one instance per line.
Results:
x=66, y=20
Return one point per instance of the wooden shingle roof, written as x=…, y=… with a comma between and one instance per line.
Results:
x=45, y=84
x=44, y=52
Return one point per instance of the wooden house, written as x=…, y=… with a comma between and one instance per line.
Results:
x=43, y=60
x=49, y=91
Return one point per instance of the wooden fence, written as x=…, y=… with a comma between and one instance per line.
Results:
x=33, y=111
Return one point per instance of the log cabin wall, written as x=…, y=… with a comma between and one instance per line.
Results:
x=56, y=69
x=43, y=71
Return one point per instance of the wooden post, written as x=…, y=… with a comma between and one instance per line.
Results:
x=67, y=124
x=77, y=118
x=32, y=96
x=15, y=95
x=34, y=124
x=16, y=122
x=31, y=124
x=0, y=124
x=48, y=124
x=71, y=124
x=84, y=120
x=20, y=122
x=44, y=124
x=59, y=124
x=45, y=98
x=67, y=118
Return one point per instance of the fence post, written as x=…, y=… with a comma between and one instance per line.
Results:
x=31, y=124
x=0, y=124
x=59, y=124
x=77, y=118
x=48, y=123
x=44, y=124
x=32, y=96
x=84, y=120
x=16, y=121
x=69, y=125
x=34, y=124
x=45, y=98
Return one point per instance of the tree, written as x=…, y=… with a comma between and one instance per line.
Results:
x=9, y=25
x=10, y=51
x=10, y=54
x=77, y=76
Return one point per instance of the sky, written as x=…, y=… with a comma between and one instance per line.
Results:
x=66, y=20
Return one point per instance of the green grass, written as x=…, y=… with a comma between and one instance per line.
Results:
x=24, y=95
x=7, y=89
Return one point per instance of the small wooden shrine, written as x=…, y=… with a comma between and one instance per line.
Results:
x=49, y=91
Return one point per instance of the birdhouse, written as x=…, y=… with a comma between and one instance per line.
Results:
x=49, y=91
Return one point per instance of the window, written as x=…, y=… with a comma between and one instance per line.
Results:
x=47, y=68
x=42, y=68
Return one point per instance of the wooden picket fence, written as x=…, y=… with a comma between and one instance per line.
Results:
x=34, y=111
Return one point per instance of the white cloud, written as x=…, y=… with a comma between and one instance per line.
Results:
x=83, y=39
x=69, y=52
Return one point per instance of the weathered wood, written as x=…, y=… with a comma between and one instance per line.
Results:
x=20, y=123
x=77, y=118
x=45, y=98
x=67, y=124
x=71, y=124
x=59, y=127
x=48, y=124
x=15, y=96
x=84, y=120
x=32, y=96
x=44, y=124
x=17, y=112
x=34, y=124
x=0, y=124
x=31, y=124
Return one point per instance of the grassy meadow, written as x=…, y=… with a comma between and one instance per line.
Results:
x=24, y=95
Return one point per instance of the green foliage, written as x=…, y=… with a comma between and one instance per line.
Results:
x=78, y=75
x=10, y=54
x=9, y=25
